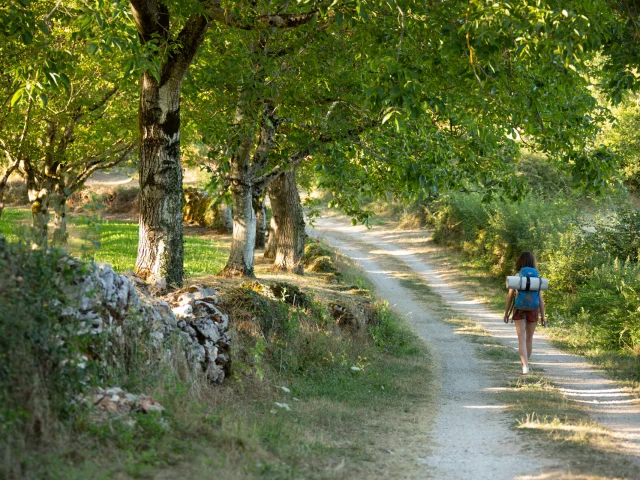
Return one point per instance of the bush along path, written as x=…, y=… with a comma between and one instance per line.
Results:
x=470, y=434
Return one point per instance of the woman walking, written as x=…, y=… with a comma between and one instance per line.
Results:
x=525, y=321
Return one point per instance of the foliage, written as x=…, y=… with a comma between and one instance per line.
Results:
x=622, y=136
x=620, y=235
x=43, y=367
x=49, y=358
x=621, y=50
x=541, y=179
x=64, y=116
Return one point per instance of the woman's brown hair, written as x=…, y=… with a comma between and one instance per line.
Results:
x=526, y=259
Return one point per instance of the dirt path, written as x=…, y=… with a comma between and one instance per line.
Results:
x=470, y=437
x=471, y=434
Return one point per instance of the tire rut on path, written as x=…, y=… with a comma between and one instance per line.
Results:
x=471, y=438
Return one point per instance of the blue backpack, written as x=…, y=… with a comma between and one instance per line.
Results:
x=527, y=300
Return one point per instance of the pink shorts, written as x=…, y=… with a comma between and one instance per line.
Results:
x=528, y=316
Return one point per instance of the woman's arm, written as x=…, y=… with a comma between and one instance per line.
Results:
x=507, y=307
x=543, y=319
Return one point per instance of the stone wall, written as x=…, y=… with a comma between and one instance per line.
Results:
x=104, y=300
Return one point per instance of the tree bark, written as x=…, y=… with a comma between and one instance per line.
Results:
x=243, y=192
x=261, y=223
x=160, y=244
x=40, y=200
x=60, y=234
x=289, y=226
x=270, y=248
x=240, y=261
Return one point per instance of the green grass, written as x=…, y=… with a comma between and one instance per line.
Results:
x=116, y=242
x=335, y=414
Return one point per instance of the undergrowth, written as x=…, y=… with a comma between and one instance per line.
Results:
x=300, y=396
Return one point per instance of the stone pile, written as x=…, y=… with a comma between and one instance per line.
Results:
x=352, y=317
x=116, y=400
x=103, y=300
x=204, y=328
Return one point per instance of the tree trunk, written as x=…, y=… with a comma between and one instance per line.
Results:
x=160, y=245
x=3, y=183
x=270, y=249
x=40, y=199
x=240, y=261
x=60, y=234
x=289, y=223
x=224, y=218
x=261, y=223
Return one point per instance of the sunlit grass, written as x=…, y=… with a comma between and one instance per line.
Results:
x=116, y=242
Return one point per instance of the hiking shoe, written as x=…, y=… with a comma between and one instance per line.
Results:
x=525, y=369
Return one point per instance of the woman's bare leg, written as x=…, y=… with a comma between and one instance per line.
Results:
x=522, y=341
x=531, y=327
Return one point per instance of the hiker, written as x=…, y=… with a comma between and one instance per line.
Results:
x=527, y=318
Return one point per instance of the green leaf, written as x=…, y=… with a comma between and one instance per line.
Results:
x=92, y=49
x=362, y=11
x=128, y=66
x=66, y=83
x=17, y=96
x=339, y=18
x=27, y=37
x=43, y=100
x=386, y=118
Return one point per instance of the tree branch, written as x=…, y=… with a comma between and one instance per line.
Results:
x=263, y=181
x=187, y=43
x=98, y=163
x=151, y=18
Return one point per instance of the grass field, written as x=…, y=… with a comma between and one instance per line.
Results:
x=116, y=242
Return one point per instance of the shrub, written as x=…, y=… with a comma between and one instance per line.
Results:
x=621, y=236
x=314, y=249
x=49, y=357
x=543, y=179
x=496, y=233
x=593, y=270
x=458, y=217
x=43, y=361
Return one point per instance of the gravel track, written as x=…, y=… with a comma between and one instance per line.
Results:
x=471, y=434
x=471, y=438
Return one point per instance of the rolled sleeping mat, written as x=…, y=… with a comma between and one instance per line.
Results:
x=520, y=283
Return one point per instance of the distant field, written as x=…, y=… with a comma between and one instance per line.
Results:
x=116, y=242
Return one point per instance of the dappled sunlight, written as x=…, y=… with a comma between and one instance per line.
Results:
x=383, y=252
